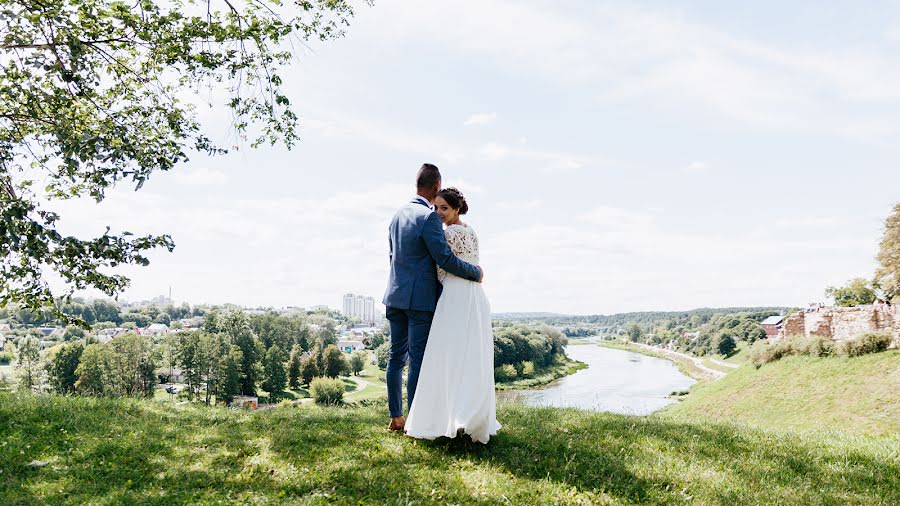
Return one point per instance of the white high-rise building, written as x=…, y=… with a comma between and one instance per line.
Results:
x=362, y=307
x=348, y=305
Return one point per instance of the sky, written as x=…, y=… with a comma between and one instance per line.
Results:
x=616, y=156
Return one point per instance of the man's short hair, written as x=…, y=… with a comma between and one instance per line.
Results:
x=428, y=176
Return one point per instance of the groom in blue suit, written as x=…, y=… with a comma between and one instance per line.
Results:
x=417, y=244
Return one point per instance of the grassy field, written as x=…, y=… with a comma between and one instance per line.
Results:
x=94, y=451
x=860, y=395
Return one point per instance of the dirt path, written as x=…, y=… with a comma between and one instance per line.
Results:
x=724, y=364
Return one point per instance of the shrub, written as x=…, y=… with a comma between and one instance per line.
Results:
x=527, y=369
x=865, y=344
x=6, y=358
x=505, y=372
x=815, y=346
x=327, y=390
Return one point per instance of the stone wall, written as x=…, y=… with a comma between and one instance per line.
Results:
x=841, y=323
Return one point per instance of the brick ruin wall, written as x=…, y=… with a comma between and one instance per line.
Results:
x=841, y=323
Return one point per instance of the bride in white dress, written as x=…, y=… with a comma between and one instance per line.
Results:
x=455, y=391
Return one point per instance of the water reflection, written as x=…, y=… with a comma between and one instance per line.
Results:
x=616, y=381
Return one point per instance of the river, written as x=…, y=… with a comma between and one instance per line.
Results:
x=615, y=381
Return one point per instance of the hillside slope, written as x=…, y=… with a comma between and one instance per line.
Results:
x=108, y=452
x=860, y=395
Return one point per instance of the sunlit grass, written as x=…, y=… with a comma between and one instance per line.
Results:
x=103, y=451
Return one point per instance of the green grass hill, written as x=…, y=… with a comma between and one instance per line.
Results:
x=855, y=395
x=57, y=450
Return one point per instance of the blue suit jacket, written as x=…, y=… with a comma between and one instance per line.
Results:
x=417, y=243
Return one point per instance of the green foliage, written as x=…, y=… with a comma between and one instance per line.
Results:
x=29, y=367
x=73, y=333
x=358, y=361
x=336, y=363
x=376, y=341
x=857, y=292
x=505, y=372
x=817, y=346
x=309, y=369
x=538, y=344
x=285, y=331
x=634, y=332
x=236, y=326
x=92, y=96
x=6, y=357
x=887, y=275
x=725, y=345
x=327, y=390
x=527, y=369
x=274, y=374
x=872, y=342
x=383, y=354
x=294, y=367
x=62, y=369
x=123, y=367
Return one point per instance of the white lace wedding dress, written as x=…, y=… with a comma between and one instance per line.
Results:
x=456, y=383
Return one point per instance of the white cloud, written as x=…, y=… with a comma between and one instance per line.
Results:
x=494, y=151
x=520, y=205
x=697, y=166
x=614, y=259
x=200, y=176
x=683, y=63
x=482, y=118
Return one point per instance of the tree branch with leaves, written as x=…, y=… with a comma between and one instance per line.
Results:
x=91, y=97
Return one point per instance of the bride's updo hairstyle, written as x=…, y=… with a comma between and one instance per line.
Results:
x=455, y=199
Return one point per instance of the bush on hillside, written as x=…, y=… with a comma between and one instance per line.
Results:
x=867, y=343
x=817, y=346
x=505, y=372
x=6, y=358
x=327, y=390
x=814, y=346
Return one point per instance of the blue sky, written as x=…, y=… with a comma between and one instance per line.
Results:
x=617, y=156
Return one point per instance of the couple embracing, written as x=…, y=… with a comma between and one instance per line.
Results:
x=440, y=319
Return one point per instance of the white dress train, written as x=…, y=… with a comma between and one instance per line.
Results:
x=456, y=383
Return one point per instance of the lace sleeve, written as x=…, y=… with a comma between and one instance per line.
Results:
x=454, y=240
x=464, y=244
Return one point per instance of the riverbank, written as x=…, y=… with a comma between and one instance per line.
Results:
x=691, y=366
x=561, y=368
x=71, y=450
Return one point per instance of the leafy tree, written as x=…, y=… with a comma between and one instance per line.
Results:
x=725, y=345
x=887, y=275
x=309, y=369
x=93, y=371
x=295, y=366
x=73, y=333
x=376, y=340
x=29, y=366
x=106, y=311
x=335, y=362
x=235, y=324
x=63, y=367
x=163, y=318
x=139, y=319
x=274, y=375
x=231, y=379
x=358, y=362
x=857, y=292
x=634, y=332
x=383, y=354
x=91, y=98
x=190, y=360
